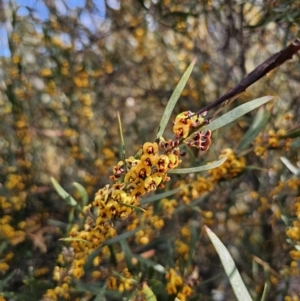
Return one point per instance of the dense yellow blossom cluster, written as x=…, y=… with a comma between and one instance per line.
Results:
x=293, y=232
x=271, y=140
x=133, y=178
x=230, y=168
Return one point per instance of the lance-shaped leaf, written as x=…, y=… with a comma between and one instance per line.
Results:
x=237, y=112
x=122, y=140
x=62, y=193
x=132, y=207
x=258, y=124
x=149, y=295
x=230, y=268
x=95, y=288
x=198, y=168
x=120, y=237
x=265, y=292
x=173, y=100
x=5, y=281
x=290, y=166
x=127, y=253
x=82, y=192
x=292, y=134
x=159, y=196
x=155, y=266
x=75, y=239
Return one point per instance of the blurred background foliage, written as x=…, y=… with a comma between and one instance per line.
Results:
x=67, y=67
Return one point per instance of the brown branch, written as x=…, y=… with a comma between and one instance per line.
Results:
x=271, y=63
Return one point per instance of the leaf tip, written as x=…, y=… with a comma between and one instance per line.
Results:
x=207, y=229
x=54, y=182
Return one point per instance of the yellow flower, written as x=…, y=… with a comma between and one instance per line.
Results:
x=162, y=164
x=158, y=178
x=173, y=161
x=138, y=191
x=117, y=171
x=50, y=295
x=185, y=232
x=142, y=170
x=96, y=275
x=184, y=122
x=149, y=184
x=46, y=72
x=149, y=156
x=131, y=175
x=295, y=254
x=181, y=130
x=119, y=195
x=131, y=161
x=293, y=233
x=186, y=290
x=112, y=282
x=150, y=148
x=149, y=159
x=169, y=206
x=174, y=281
x=4, y=267
x=171, y=289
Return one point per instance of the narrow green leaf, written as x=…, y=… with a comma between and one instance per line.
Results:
x=198, y=168
x=56, y=223
x=122, y=140
x=155, y=266
x=196, y=202
x=292, y=134
x=237, y=112
x=231, y=271
x=94, y=288
x=258, y=124
x=290, y=166
x=265, y=292
x=100, y=297
x=70, y=218
x=4, y=282
x=149, y=295
x=134, y=295
x=286, y=220
x=74, y=239
x=292, y=243
x=133, y=207
x=159, y=196
x=121, y=237
x=83, y=193
x=127, y=253
x=63, y=194
x=113, y=254
x=3, y=246
x=192, y=244
x=252, y=167
x=173, y=99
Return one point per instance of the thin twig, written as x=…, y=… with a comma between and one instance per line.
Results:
x=271, y=63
